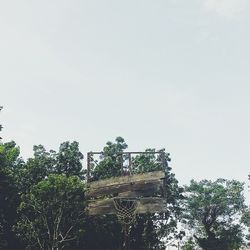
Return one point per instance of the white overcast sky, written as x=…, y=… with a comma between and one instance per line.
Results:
x=162, y=73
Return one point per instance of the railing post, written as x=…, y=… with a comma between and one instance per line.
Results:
x=129, y=163
x=163, y=161
x=88, y=166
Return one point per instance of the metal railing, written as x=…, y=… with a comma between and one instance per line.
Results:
x=126, y=160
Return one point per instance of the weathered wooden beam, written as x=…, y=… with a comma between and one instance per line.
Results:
x=145, y=205
x=150, y=176
x=139, y=188
x=151, y=180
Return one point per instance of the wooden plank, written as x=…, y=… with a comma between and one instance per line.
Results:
x=150, y=176
x=141, y=188
x=146, y=205
x=125, y=183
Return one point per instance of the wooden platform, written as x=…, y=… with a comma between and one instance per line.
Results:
x=145, y=188
x=130, y=186
x=146, y=205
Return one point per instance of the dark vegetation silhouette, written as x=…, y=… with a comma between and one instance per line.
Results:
x=42, y=204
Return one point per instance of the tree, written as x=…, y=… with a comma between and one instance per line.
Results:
x=52, y=213
x=111, y=163
x=48, y=190
x=35, y=169
x=40, y=181
x=212, y=211
x=245, y=219
x=9, y=198
x=66, y=161
x=189, y=245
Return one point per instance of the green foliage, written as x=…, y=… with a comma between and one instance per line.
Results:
x=67, y=161
x=245, y=219
x=18, y=177
x=48, y=190
x=111, y=163
x=51, y=187
x=102, y=233
x=212, y=210
x=9, y=198
x=189, y=245
x=52, y=212
x=36, y=168
x=151, y=162
x=9, y=156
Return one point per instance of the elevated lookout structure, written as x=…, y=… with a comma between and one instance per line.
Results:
x=139, y=188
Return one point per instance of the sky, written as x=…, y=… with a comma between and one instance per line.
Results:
x=168, y=74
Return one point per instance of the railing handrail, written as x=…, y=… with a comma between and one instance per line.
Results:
x=129, y=154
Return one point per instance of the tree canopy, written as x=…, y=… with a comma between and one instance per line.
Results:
x=212, y=211
x=52, y=213
x=42, y=203
x=9, y=197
